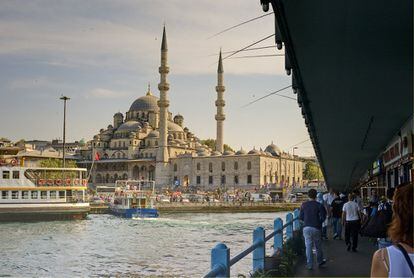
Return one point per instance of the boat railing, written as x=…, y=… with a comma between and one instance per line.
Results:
x=220, y=254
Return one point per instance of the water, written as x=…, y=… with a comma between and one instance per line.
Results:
x=104, y=245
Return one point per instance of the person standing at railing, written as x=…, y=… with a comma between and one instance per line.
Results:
x=313, y=214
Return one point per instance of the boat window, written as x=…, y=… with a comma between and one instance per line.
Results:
x=6, y=174
x=16, y=174
x=53, y=195
x=15, y=194
x=25, y=194
x=35, y=194
x=5, y=194
x=62, y=194
x=43, y=194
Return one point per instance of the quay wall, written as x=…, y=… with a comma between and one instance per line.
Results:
x=211, y=208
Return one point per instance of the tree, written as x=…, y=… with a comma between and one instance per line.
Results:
x=57, y=163
x=312, y=171
x=211, y=143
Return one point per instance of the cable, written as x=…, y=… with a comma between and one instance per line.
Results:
x=258, y=56
x=265, y=38
x=240, y=24
x=273, y=93
x=249, y=49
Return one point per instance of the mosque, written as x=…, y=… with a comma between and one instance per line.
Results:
x=149, y=143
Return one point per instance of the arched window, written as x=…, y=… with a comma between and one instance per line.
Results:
x=175, y=167
x=236, y=165
x=156, y=143
x=223, y=166
x=198, y=166
x=249, y=165
x=210, y=167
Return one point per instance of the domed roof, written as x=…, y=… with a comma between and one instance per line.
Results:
x=129, y=126
x=215, y=153
x=174, y=127
x=145, y=103
x=254, y=151
x=118, y=114
x=273, y=149
x=228, y=152
x=241, y=151
x=154, y=134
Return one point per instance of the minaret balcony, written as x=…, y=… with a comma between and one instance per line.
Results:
x=220, y=88
x=220, y=117
x=164, y=69
x=163, y=86
x=220, y=102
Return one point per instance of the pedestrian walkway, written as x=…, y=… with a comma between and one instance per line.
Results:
x=341, y=262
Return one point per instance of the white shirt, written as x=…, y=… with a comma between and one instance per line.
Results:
x=398, y=264
x=328, y=198
x=351, y=211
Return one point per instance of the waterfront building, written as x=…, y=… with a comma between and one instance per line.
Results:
x=148, y=142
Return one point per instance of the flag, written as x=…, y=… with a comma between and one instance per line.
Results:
x=97, y=157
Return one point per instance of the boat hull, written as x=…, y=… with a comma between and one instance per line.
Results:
x=134, y=212
x=43, y=212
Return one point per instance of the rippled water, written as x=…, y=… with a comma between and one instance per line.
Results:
x=104, y=245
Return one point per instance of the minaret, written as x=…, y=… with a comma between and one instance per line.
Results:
x=163, y=103
x=220, y=117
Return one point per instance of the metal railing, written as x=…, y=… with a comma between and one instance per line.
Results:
x=220, y=254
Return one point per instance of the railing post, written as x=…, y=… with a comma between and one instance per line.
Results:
x=220, y=257
x=278, y=244
x=259, y=252
x=296, y=223
x=289, y=228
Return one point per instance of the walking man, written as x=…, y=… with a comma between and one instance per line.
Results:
x=351, y=219
x=313, y=214
x=336, y=212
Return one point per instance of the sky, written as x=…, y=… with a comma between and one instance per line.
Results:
x=102, y=54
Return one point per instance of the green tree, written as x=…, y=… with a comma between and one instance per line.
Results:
x=57, y=163
x=211, y=143
x=312, y=171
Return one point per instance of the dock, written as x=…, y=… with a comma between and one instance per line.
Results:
x=211, y=208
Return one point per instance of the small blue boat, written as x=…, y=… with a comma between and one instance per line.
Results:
x=134, y=199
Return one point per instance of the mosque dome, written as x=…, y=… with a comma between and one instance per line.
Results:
x=216, y=153
x=129, y=126
x=174, y=127
x=228, y=152
x=254, y=151
x=241, y=152
x=154, y=134
x=145, y=103
x=273, y=149
x=118, y=114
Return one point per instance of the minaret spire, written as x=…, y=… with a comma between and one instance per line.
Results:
x=220, y=103
x=163, y=103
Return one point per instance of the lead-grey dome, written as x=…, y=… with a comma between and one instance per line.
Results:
x=145, y=103
x=129, y=126
x=273, y=149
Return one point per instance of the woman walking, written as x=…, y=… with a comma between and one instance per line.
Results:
x=397, y=260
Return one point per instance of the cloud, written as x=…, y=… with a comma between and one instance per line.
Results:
x=127, y=34
x=105, y=94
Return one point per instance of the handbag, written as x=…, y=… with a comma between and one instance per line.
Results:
x=376, y=226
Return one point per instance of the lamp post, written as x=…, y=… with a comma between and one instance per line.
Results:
x=64, y=98
x=294, y=166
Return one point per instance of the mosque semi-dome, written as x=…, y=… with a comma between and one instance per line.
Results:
x=129, y=126
x=174, y=127
x=145, y=103
x=228, y=152
x=254, y=151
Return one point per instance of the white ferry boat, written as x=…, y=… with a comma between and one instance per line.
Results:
x=134, y=199
x=32, y=194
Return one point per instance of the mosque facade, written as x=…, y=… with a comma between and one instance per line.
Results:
x=149, y=143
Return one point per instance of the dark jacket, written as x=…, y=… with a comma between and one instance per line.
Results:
x=337, y=205
x=313, y=214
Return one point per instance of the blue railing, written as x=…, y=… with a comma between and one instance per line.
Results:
x=220, y=254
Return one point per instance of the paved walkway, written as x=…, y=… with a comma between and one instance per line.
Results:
x=340, y=261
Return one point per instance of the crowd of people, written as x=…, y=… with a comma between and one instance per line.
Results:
x=388, y=220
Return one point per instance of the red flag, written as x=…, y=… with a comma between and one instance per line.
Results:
x=97, y=157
